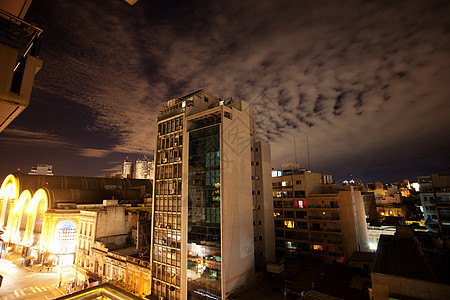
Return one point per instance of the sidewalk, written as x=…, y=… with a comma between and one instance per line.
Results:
x=18, y=260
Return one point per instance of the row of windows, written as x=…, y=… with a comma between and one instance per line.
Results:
x=166, y=291
x=167, y=204
x=86, y=228
x=296, y=235
x=290, y=214
x=170, y=126
x=169, y=155
x=288, y=194
x=168, y=187
x=167, y=220
x=168, y=256
x=167, y=238
x=291, y=224
x=289, y=204
x=168, y=171
x=285, y=183
x=170, y=140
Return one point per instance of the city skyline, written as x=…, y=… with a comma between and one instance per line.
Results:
x=365, y=81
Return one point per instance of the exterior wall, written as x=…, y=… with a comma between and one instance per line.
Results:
x=327, y=220
x=138, y=276
x=170, y=140
x=112, y=215
x=331, y=225
x=236, y=201
x=360, y=221
x=98, y=257
x=198, y=111
x=292, y=236
x=86, y=237
x=389, y=286
x=374, y=232
x=263, y=224
x=116, y=267
x=12, y=103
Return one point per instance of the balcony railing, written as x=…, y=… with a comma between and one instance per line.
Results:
x=24, y=37
x=322, y=206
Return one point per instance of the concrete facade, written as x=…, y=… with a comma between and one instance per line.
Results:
x=19, y=61
x=203, y=233
x=318, y=219
x=263, y=225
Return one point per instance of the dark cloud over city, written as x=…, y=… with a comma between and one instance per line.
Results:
x=365, y=81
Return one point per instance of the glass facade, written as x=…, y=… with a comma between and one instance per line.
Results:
x=204, y=246
x=166, y=258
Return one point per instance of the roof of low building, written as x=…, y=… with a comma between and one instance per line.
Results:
x=401, y=256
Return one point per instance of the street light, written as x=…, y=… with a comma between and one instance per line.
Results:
x=60, y=270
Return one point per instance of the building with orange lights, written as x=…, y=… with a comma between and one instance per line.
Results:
x=317, y=218
x=40, y=214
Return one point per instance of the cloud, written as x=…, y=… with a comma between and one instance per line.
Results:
x=99, y=153
x=364, y=80
x=33, y=138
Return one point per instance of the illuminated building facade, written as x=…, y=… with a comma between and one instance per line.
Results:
x=40, y=214
x=435, y=197
x=127, y=169
x=144, y=169
x=202, y=233
x=315, y=218
x=113, y=253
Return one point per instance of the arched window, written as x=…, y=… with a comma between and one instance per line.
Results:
x=39, y=217
x=66, y=232
x=24, y=218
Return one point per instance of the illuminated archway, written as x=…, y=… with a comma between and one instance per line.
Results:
x=21, y=216
x=38, y=206
x=8, y=193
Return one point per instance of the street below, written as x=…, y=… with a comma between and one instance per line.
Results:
x=22, y=283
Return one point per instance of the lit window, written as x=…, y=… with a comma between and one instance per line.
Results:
x=317, y=247
x=300, y=204
x=289, y=224
x=283, y=183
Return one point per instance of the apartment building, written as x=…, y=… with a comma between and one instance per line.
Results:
x=205, y=198
x=315, y=218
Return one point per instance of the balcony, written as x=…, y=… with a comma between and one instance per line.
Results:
x=335, y=242
x=19, y=48
x=325, y=230
x=323, y=206
x=324, y=218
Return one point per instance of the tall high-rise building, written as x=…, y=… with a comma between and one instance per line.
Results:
x=143, y=169
x=204, y=205
x=127, y=169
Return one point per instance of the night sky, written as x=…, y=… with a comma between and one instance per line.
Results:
x=367, y=81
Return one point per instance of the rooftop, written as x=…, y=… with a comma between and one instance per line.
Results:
x=402, y=256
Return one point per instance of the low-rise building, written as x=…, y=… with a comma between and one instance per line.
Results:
x=403, y=270
x=98, y=240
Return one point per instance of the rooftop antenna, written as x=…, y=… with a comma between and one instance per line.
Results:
x=307, y=148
